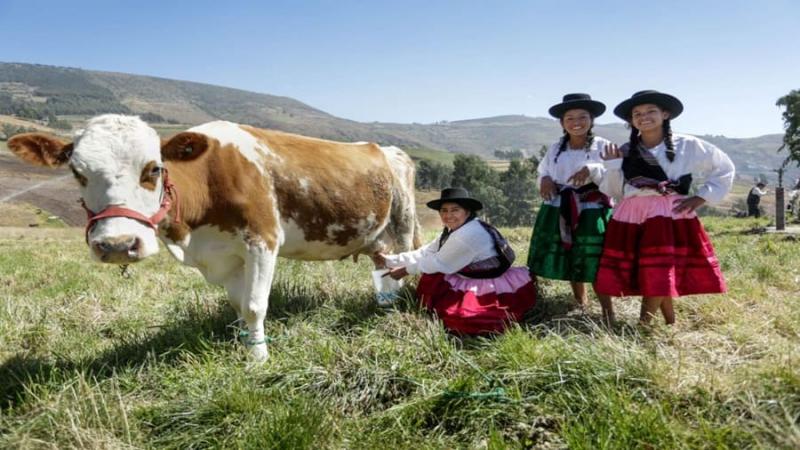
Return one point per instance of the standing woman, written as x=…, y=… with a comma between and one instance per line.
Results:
x=568, y=235
x=655, y=245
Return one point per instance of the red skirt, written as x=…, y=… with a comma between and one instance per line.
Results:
x=653, y=252
x=478, y=306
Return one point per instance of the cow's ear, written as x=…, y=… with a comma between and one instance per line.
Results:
x=185, y=146
x=41, y=149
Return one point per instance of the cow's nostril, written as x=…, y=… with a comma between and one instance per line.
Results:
x=103, y=246
x=135, y=245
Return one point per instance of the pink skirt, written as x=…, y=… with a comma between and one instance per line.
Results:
x=653, y=252
x=478, y=306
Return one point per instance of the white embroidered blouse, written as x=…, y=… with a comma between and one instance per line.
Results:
x=570, y=161
x=692, y=156
x=467, y=244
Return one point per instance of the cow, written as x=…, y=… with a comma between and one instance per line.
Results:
x=228, y=199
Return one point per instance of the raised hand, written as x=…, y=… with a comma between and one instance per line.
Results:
x=579, y=178
x=688, y=204
x=611, y=151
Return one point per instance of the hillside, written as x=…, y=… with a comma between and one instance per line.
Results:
x=34, y=90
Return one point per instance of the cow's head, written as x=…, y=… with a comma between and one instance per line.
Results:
x=118, y=162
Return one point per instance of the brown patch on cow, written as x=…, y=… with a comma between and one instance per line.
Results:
x=219, y=187
x=322, y=183
x=41, y=149
x=149, y=177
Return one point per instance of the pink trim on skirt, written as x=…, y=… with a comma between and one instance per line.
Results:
x=507, y=283
x=638, y=208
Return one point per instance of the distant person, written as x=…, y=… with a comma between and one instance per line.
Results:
x=754, y=199
x=568, y=235
x=467, y=278
x=655, y=246
x=794, y=199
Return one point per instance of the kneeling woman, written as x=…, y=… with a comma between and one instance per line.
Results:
x=466, y=275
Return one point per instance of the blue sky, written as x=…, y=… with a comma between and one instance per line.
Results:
x=425, y=61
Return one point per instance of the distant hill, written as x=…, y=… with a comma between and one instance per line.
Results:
x=39, y=91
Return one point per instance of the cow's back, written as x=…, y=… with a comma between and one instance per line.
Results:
x=334, y=199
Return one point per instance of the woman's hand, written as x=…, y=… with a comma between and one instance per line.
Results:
x=379, y=259
x=610, y=152
x=688, y=204
x=579, y=178
x=396, y=273
x=547, y=188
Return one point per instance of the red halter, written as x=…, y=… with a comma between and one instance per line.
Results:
x=169, y=197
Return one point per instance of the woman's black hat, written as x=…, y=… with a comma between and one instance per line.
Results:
x=577, y=101
x=665, y=101
x=456, y=195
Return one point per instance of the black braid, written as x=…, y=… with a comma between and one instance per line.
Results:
x=589, y=138
x=668, y=141
x=563, y=145
x=633, y=146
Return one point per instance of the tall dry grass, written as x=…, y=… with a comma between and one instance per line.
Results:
x=90, y=359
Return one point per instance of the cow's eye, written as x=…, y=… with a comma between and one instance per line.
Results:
x=155, y=171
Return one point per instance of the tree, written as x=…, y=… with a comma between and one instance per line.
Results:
x=519, y=187
x=791, y=121
x=473, y=174
x=433, y=175
x=508, y=154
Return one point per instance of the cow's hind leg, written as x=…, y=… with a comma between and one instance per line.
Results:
x=258, y=273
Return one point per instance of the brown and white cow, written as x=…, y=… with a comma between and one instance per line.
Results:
x=229, y=199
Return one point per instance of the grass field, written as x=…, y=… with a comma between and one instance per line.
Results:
x=432, y=155
x=92, y=359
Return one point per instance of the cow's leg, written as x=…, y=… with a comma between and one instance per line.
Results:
x=234, y=285
x=259, y=269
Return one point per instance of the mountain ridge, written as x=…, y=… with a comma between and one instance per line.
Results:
x=64, y=91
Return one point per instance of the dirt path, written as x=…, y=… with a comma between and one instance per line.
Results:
x=52, y=190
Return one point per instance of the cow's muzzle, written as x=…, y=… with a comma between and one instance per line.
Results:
x=118, y=250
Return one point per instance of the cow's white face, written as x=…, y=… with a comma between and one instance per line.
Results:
x=117, y=161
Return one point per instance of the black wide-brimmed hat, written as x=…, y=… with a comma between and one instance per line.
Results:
x=665, y=101
x=455, y=195
x=577, y=101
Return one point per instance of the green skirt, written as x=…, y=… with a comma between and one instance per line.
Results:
x=548, y=258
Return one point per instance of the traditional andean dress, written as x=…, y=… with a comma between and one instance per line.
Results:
x=451, y=287
x=568, y=234
x=649, y=249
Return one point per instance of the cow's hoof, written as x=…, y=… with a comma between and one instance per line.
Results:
x=258, y=352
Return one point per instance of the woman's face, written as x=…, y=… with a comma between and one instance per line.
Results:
x=577, y=122
x=648, y=117
x=453, y=215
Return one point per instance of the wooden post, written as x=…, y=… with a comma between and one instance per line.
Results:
x=780, y=209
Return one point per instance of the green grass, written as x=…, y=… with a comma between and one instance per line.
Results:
x=432, y=155
x=90, y=359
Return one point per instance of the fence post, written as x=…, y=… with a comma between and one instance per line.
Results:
x=780, y=209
